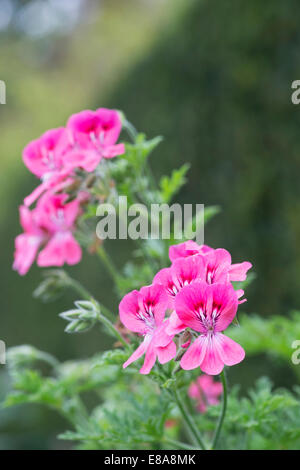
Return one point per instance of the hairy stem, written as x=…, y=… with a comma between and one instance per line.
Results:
x=108, y=264
x=177, y=444
x=131, y=130
x=188, y=420
x=223, y=412
x=78, y=287
x=103, y=319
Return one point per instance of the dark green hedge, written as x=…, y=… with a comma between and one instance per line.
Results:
x=218, y=87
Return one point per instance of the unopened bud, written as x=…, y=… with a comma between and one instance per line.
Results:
x=53, y=286
x=82, y=318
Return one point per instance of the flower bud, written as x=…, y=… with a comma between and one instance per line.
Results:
x=82, y=318
x=53, y=286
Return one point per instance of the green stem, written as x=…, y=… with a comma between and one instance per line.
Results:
x=177, y=444
x=113, y=330
x=131, y=130
x=75, y=411
x=108, y=264
x=152, y=179
x=84, y=293
x=106, y=317
x=107, y=313
x=188, y=420
x=223, y=412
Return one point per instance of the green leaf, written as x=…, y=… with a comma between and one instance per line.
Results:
x=170, y=185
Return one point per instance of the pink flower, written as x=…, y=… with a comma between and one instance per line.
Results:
x=94, y=135
x=214, y=266
x=219, y=267
x=58, y=217
x=43, y=156
x=209, y=309
x=185, y=249
x=58, y=181
x=28, y=243
x=182, y=272
x=89, y=137
x=143, y=312
x=175, y=325
x=206, y=391
x=50, y=225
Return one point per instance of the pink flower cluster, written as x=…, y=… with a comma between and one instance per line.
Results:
x=197, y=292
x=56, y=158
x=205, y=391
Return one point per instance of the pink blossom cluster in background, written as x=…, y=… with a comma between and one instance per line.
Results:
x=194, y=294
x=205, y=391
x=56, y=158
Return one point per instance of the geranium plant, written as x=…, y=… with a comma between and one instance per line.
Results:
x=163, y=384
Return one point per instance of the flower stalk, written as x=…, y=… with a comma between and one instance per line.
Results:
x=188, y=420
x=223, y=412
x=107, y=261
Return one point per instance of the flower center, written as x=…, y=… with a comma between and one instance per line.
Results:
x=148, y=318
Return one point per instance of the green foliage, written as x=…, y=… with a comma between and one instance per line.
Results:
x=170, y=185
x=272, y=336
x=133, y=412
x=135, y=276
x=126, y=420
x=266, y=419
x=128, y=171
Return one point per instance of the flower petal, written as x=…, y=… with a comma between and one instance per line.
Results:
x=35, y=194
x=62, y=248
x=212, y=363
x=186, y=270
x=129, y=313
x=226, y=301
x=138, y=352
x=175, y=325
x=164, y=278
x=111, y=125
x=154, y=297
x=167, y=353
x=230, y=352
x=88, y=159
x=150, y=359
x=188, y=303
x=26, y=247
x=238, y=271
x=161, y=338
x=195, y=354
x=218, y=262
x=113, y=151
x=186, y=249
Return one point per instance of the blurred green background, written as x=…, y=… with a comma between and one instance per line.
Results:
x=214, y=78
